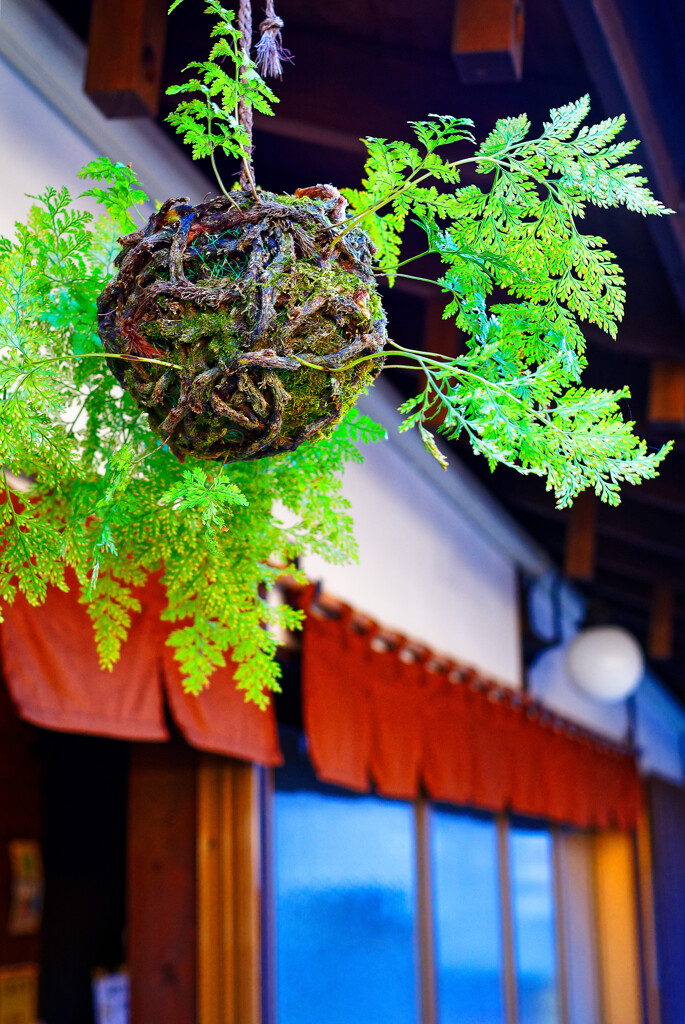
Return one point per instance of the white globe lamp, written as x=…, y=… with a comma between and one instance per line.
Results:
x=605, y=662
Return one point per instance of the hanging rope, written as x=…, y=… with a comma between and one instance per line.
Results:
x=270, y=57
x=270, y=52
x=245, y=109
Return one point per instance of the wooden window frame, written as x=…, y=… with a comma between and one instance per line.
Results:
x=605, y=850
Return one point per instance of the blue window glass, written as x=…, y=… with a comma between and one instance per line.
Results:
x=532, y=885
x=468, y=928
x=345, y=905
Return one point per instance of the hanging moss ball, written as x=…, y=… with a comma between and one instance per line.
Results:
x=268, y=313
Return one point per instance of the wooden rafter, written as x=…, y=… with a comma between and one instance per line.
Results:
x=661, y=622
x=125, y=56
x=581, y=538
x=487, y=44
x=667, y=392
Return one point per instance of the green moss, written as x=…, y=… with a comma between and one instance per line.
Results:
x=221, y=330
x=282, y=293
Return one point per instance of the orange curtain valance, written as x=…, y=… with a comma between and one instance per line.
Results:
x=394, y=715
x=50, y=665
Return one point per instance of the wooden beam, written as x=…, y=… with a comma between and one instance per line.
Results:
x=660, y=495
x=487, y=42
x=614, y=65
x=581, y=538
x=666, y=392
x=309, y=133
x=125, y=56
x=646, y=533
x=661, y=622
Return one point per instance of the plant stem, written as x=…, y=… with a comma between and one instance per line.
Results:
x=250, y=178
x=115, y=355
x=418, y=257
x=408, y=277
x=18, y=530
x=414, y=179
x=221, y=184
x=95, y=355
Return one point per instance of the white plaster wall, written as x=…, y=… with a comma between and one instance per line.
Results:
x=38, y=149
x=424, y=569
x=659, y=721
x=549, y=681
x=660, y=731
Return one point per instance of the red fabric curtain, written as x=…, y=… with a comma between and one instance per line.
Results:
x=336, y=716
x=51, y=668
x=379, y=710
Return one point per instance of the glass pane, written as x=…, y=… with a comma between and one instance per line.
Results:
x=578, y=895
x=468, y=953
x=532, y=885
x=345, y=892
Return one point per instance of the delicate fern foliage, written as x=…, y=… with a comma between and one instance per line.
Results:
x=209, y=121
x=516, y=394
x=114, y=505
x=122, y=192
x=394, y=171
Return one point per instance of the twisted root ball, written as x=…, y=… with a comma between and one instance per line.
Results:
x=241, y=295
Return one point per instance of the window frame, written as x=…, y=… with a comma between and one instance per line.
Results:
x=426, y=984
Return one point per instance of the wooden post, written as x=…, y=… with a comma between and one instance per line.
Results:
x=617, y=928
x=661, y=622
x=20, y=818
x=228, y=889
x=507, y=919
x=666, y=392
x=439, y=336
x=645, y=870
x=425, y=913
x=581, y=538
x=161, y=883
x=487, y=42
x=125, y=56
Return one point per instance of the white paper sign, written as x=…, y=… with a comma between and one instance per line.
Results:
x=111, y=999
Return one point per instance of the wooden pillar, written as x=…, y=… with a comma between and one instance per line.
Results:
x=667, y=878
x=20, y=819
x=645, y=868
x=666, y=392
x=229, y=893
x=617, y=928
x=507, y=921
x=126, y=55
x=487, y=43
x=660, y=644
x=161, y=883
x=581, y=538
x=439, y=336
x=425, y=905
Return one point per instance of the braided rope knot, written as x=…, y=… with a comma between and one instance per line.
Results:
x=270, y=52
x=274, y=24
